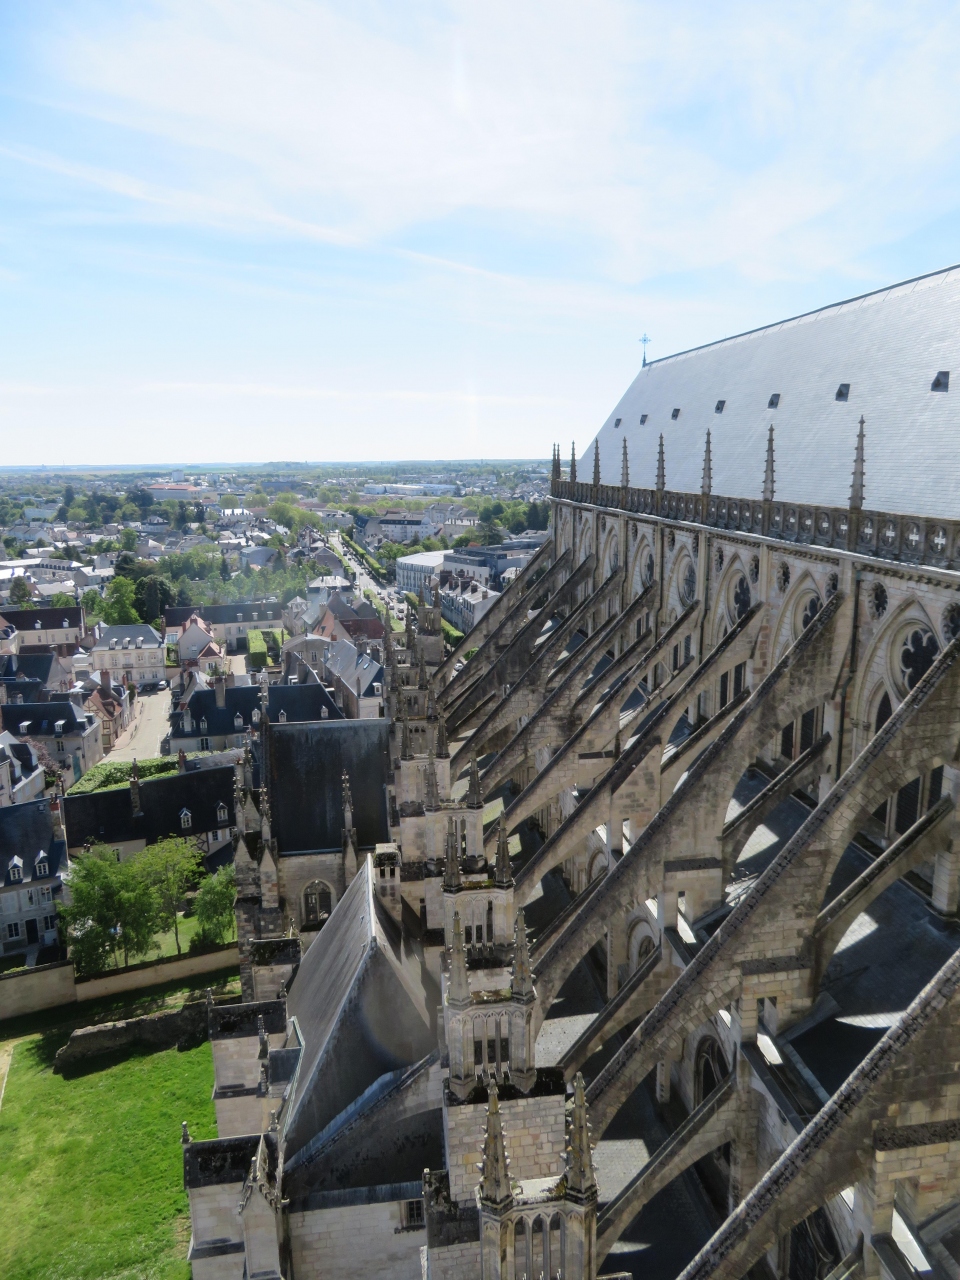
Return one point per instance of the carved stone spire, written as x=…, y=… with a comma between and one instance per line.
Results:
x=495, y=1190
x=347, y=800
x=661, y=467
x=431, y=792
x=856, y=488
x=706, y=484
x=581, y=1179
x=422, y=681
x=521, y=977
x=443, y=749
x=405, y=752
x=573, y=463
x=458, y=986
x=624, y=467
x=768, y=475
x=474, y=794
x=556, y=462
x=503, y=876
x=451, y=864
x=596, y=463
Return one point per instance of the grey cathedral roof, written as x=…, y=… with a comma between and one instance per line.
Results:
x=360, y=1001
x=880, y=355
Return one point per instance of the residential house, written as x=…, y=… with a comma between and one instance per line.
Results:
x=33, y=862
x=72, y=737
x=357, y=680
x=198, y=648
x=222, y=717
x=196, y=804
x=293, y=614
x=36, y=667
x=46, y=626
x=463, y=603
x=342, y=621
x=132, y=653
x=228, y=622
x=112, y=705
x=21, y=774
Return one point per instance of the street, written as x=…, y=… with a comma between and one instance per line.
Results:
x=142, y=738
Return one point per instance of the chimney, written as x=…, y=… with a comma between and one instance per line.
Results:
x=220, y=691
x=105, y=681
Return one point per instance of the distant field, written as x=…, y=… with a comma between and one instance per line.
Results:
x=90, y=1168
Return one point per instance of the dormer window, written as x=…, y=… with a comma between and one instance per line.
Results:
x=221, y=812
x=16, y=869
x=186, y=820
x=719, y=406
x=942, y=381
x=843, y=391
x=282, y=717
x=255, y=717
x=675, y=415
x=41, y=867
x=618, y=421
x=238, y=721
x=774, y=400
x=65, y=622
x=643, y=418
x=256, y=616
x=239, y=617
x=203, y=724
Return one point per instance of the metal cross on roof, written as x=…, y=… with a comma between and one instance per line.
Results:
x=644, y=341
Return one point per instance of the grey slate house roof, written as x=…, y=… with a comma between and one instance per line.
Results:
x=39, y=719
x=131, y=632
x=296, y=702
x=26, y=832
x=225, y=613
x=361, y=1007
x=307, y=762
x=42, y=619
x=342, y=659
x=26, y=666
x=812, y=377
x=107, y=816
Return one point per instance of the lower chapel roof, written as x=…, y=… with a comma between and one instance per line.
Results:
x=360, y=1001
x=883, y=356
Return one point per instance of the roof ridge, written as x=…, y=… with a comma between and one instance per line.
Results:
x=803, y=315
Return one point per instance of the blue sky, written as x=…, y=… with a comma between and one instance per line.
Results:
x=246, y=230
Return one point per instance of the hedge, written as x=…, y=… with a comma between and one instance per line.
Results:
x=374, y=566
x=256, y=648
x=116, y=773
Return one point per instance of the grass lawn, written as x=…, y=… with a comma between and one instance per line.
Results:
x=91, y=1168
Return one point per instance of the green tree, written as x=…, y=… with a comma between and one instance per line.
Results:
x=198, y=512
x=171, y=867
x=224, y=569
x=21, y=594
x=152, y=595
x=128, y=539
x=214, y=905
x=69, y=495
x=92, y=603
x=119, y=604
x=182, y=517
x=113, y=910
x=62, y=600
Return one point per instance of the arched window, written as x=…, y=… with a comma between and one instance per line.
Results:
x=884, y=712
x=317, y=904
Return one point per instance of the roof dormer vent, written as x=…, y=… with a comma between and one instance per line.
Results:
x=643, y=418
x=774, y=400
x=942, y=381
x=843, y=391
x=675, y=415
x=719, y=406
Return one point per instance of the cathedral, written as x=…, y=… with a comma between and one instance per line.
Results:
x=627, y=942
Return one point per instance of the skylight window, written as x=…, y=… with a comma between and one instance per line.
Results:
x=618, y=421
x=719, y=406
x=942, y=381
x=843, y=391
x=774, y=400
x=675, y=415
x=643, y=418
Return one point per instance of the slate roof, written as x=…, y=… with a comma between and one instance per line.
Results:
x=49, y=619
x=361, y=1009
x=107, y=816
x=41, y=717
x=299, y=702
x=888, y=346
x=306, y=766
x=133, y=632
x=224, y=613
x=26, y=666
x=343, y=659
x=26, y=831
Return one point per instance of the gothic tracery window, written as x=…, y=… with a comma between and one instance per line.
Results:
x=810, y=611
x=917, y=653
x=741, y=598
x=648, y=569
x=688, y=584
